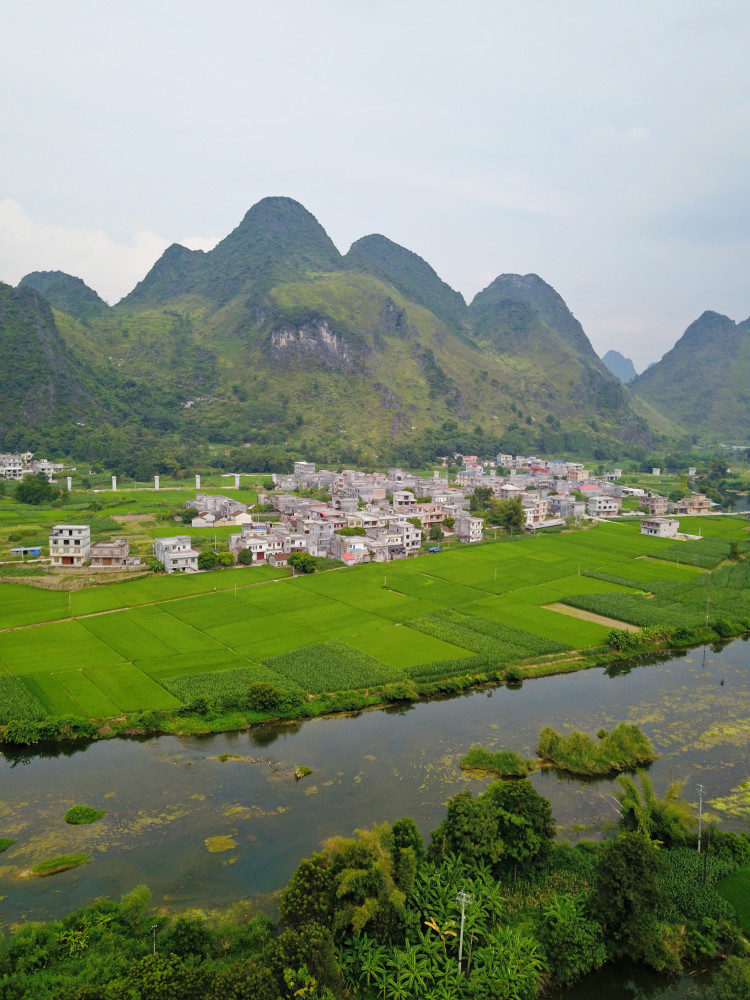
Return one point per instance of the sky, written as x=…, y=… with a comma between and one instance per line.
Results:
x=605, y=147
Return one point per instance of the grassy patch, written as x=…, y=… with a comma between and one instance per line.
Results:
x=5, y=843
x=735, y=888
x=62, y=863
x=80, y=815
x=502, y=763
x=624, y=748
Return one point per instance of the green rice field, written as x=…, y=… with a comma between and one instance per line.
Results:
x=124, y=647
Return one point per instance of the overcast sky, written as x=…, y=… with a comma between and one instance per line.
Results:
x=604, y=146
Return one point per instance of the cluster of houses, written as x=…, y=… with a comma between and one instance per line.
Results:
x=14, y=466
x=379, y=517
x=71, y=545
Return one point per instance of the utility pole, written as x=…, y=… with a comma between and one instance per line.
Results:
x=154, y=929
x=700, y=816
x=465, y=900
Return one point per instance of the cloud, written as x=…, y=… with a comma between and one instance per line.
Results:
x=109, y=267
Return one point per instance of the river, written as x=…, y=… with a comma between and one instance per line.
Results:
x=204, y=832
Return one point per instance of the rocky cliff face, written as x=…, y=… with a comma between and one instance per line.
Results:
x=314, y=343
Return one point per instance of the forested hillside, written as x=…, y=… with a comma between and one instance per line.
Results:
x=274, y=346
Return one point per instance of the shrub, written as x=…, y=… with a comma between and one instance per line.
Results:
x=732, y=981
x=208, y=559
x=622, y=749
x=263, y=697
x=513, y=676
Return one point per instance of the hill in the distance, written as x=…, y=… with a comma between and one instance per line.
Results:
x=620, y=366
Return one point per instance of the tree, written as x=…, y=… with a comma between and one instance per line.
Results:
x=226, y=559
x=186, y=937
x=208, y=559
x=732, y=981
x=249, y=979
x=508, y=827
x=415, y=521
x=245, y=557
x=35, y=490
x=188, y=514
x=479, y=498
x=303, y=561
x=629, y=898
x=436, y=533
x=310, y=894
x=668, y=820
x=160, y=977
x=448, y=522
x=508, y=514
x=572, y=941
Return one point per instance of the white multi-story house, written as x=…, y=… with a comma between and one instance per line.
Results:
x=70, y=544
x=660, y=527
x=11, y=467
x=468, y=529
x=603, y=506
x=176, y=554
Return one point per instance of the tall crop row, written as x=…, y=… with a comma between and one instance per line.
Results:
x=490, y=639
x=333, y=666
x=17, y=702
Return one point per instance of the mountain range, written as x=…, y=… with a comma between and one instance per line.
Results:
x=276, y=343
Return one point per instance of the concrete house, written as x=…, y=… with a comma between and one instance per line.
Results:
x=468, y=529
x=176, y=554
x=660, y=527
x=110, y=554
x=655, y=504
x=602, y=506
x=70, y=544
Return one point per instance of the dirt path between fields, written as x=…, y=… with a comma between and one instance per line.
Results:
x=589, y=616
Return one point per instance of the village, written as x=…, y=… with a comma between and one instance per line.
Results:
x=359, y=517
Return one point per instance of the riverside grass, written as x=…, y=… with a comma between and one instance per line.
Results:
x=501, y=763
x=63, y=863
x=83, y=815
x=466, y=613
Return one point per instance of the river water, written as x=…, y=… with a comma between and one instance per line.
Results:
x=202, y=831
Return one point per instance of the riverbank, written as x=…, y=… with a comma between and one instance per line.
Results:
x=199, y=721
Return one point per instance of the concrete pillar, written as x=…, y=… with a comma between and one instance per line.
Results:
x=197, y=482
x=156, y=482
x=236, y=480
x=70, y=483
x=114, y=484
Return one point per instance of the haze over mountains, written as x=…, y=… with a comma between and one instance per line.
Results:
x=620, y=366
x=275, y=340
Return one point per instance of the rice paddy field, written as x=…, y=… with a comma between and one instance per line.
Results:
x=157, y=643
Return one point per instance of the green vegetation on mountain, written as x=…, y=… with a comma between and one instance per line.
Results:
x=66, y=293
x=411, y=275
x=276, y=347
x=704, y=381
x=41, y=380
